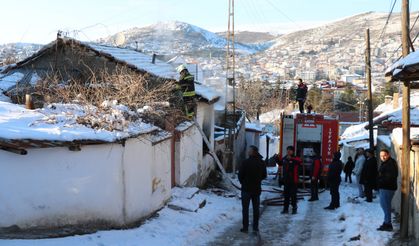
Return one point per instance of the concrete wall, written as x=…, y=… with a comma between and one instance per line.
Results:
x=101, y=183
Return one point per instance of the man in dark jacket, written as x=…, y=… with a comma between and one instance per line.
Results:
x=369, y=175
x=387, y=185
x=315, y=174
x=333, y=179
x=349, y=166
x=186, y=85
x=251, y=174
x=290, y=164
x=301, y=95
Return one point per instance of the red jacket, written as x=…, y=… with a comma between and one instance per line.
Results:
x=316, y=168
x=290, y=169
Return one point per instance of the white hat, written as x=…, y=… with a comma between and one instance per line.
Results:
x=181, y=68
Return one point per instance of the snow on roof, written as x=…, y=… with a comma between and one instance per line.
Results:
x=59, y=123
x=393, y=116
x=256, y=126
x=384, y=107
x=206, y=92
x=8, y=81
x=397, y=67
x=414, y=101
x=271, y=116
x=397, y=134
x=137, y=59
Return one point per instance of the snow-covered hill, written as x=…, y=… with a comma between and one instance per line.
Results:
x=175, y=37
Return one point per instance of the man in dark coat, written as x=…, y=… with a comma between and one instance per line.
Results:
x=290, y=164
x=387, y=185
x=186, y=86
x=349, y=166
x=315, y=174
x=369, y=175
x=333, y=179
x=301, y=95
x=251, y=174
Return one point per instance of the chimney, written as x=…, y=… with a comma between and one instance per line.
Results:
x=153, y=60
x=28, y=101
x=388, y=99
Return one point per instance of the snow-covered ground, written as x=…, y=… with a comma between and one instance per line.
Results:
x=169, y=227
x=218, y=223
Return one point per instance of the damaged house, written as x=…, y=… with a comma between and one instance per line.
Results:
x=61, y=166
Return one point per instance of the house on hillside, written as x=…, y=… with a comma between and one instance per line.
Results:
x=71, y=174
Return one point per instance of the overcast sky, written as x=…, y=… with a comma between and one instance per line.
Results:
x=37, y=21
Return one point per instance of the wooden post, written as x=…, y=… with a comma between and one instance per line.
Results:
x=405, y=165
x=368, y=75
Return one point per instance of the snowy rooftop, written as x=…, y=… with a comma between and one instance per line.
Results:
x=391, y=116
x=398, y=71
x=254, y=126
x=137, y=59
x=60, y=123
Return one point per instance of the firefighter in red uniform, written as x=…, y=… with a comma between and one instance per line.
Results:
x=316, y=171
x=290, y=164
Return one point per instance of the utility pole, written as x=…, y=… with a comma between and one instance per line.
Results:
x=368, y=72
x=230, y=117
x=405, y=165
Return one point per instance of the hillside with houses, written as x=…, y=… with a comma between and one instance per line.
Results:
x=163, y=132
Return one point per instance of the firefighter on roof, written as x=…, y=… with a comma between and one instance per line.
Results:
x=186, y=85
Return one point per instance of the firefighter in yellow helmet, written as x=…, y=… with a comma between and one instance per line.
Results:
x=186, y=85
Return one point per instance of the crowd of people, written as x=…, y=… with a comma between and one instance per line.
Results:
x=369, y=176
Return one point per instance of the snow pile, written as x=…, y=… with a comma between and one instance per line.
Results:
x=169, y=228
x=69, y=122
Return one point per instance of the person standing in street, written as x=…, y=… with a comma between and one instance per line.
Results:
x=369, y=175
x=316, y=171
x=359, y=164
x=251, y=174
x=387, y=186
x=301, y=95
x=349, y=166
x=290, y=164
x=333, y=179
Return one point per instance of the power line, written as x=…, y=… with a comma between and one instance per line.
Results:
x=413, y=41
x=282, y=13
x=386, y=23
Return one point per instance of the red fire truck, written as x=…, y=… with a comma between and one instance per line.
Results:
x=310, y=134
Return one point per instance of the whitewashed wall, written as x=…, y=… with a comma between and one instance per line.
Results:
x=101, y=183
x=188, y=156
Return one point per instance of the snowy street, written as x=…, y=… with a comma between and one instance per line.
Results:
x=219, y=222
x=315, y=226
